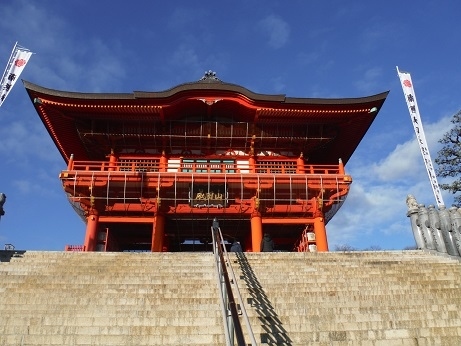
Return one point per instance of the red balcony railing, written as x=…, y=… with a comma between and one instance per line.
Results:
x=239, y=166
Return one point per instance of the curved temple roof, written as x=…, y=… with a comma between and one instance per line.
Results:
x=323, y=129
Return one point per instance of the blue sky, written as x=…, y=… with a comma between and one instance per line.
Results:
x=298, y=48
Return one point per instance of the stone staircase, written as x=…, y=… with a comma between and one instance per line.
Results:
x=84, y=298
x=354, y=298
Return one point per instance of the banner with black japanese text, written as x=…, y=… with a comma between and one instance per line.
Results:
x=18, y=60
x=410, y=98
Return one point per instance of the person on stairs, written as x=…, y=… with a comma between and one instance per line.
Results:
x=236, y=247
x=267, y=243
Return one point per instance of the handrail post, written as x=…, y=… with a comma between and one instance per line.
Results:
x=70, y=164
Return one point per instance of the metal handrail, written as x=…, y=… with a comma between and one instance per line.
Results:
x=232, y=325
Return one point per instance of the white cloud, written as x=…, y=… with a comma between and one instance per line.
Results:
x=371, y=79
x=376, y=205
x=370, y=213
x=185, y=19
x=308, y=58
x=376, y=35
x=29, y=187
x=186, y=59
x=59, y=51
x=402, y=164
x=277, y=30
x=406, y=162
x=278, y=84
x=21, y=139
x=105, y=70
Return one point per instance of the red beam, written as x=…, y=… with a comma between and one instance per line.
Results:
x=287, y=221
x=124, y=219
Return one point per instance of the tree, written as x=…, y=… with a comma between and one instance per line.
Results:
x=344, y=247
x=373, y=248
x=2, y=202
x=449, y=158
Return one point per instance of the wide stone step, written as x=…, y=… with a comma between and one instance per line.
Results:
x=49, y=324
x=399, y=337
x=117, y=300
x=169, y=336
x=357, y=298
x=389, y=319
x=167, y=286
x=134, y=310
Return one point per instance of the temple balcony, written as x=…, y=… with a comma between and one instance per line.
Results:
x=282, y=188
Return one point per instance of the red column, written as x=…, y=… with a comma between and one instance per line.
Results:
x=158, y=232
x=256, y=232
x=300, y=164
x=252, y=164
x=341, y=167
x=91, y=234
x=112, y=161
x=70, y=164
x=163, y=162
x=320, y=232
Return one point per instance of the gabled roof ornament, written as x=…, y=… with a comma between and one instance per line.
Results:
x=210, y=76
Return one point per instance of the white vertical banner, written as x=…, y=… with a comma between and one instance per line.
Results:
x=410, y=97
x=18, y=60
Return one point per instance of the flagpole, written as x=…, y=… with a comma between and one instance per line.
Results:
x=410, y=98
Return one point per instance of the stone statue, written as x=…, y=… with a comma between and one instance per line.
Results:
x=423, y=223
x=455, y=218
x=412, y=213
x=411, y=202
x=445, y=225
x=435, y=227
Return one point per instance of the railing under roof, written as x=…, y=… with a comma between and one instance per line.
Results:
x=272, y=166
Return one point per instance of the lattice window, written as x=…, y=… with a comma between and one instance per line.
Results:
x=138, y=165
x=276, y=167
x=208, y=166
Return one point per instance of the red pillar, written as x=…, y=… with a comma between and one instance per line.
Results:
x=158, y=233
x=91, y=234
x=163, y=162
x=300, y=164
x=256, y=232
x=320, y=233
x=70, y=164
x=112, y=161
x=252, y=164
x=341, y=170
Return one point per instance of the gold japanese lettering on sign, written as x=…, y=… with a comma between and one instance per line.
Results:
x=209, y=196
x=212, y=197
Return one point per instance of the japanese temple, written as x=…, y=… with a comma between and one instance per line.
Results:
x=150, y=171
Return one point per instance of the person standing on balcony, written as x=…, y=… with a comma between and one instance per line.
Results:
x=267, y=243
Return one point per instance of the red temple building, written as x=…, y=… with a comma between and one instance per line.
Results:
x=149, y=171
